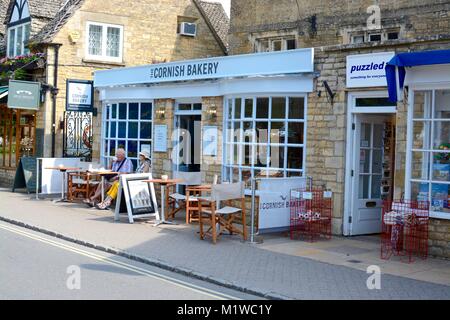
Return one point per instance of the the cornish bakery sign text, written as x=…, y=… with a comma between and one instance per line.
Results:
x=185, y=70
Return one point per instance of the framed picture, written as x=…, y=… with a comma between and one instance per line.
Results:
x=210, y=140
x=136, y=198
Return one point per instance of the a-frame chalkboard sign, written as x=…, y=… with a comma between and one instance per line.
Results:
x=26, y=175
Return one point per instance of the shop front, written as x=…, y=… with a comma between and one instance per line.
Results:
x=18, y=104
x=426, y=75
x=419, y=84
x=371, y=131
x=236, y=117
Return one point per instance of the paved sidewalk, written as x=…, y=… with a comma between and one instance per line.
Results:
x=274, y=269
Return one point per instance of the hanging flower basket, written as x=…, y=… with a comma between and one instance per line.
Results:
x=26, y=62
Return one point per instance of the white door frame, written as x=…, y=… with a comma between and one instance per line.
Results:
x=352, y=111
x=178, y=114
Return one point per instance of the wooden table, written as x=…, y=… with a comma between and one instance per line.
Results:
x=102, y=174
x=63, y=170
x=164, y=184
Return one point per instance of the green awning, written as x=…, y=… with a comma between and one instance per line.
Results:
x=3, y=92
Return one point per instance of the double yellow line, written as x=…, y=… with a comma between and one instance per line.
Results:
x=182, y=284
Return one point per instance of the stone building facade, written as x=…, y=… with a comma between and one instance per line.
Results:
x=147, y=31
x=337, y=29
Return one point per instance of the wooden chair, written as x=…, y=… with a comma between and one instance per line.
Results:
x=221, y=218
x=192, y=209
x=176, y=202
x=82, y=183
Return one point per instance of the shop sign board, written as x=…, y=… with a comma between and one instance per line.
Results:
x=272, y=63
x=368, y=70
x=24, y=95
x=275, y=202
x=80, y=95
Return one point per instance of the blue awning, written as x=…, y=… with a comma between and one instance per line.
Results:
x=396, y=68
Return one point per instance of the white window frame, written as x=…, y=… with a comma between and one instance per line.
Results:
x=103, y=56
x=252, y=167
x=410, y=150
x=366, y=35
x=16, y=28
x=271, y=42
x=105, y=157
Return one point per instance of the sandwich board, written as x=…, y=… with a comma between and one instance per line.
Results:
x=136, y=198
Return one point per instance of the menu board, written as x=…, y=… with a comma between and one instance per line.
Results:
x=136, y=198
x=160, y=137
x=26, y=175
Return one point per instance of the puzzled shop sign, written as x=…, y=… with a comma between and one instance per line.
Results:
x=274, y=63
x=368, y=70
x=24, y=95
x=80, y=95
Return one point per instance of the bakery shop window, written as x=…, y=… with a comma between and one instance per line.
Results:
x=265, y=137
x=128, y=126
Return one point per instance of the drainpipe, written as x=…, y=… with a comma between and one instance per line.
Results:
x=54, y=92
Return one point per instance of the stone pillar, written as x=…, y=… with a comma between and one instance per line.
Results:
x=212, y=165
x=162, y=161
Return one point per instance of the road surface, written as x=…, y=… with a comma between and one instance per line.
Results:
x=36, y=266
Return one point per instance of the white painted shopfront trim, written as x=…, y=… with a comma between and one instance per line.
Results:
x=420, y=79
x=434, y=77
x=212, y=88
x=247, y=65
x=352, y=111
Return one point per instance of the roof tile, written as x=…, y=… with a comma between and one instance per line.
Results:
x=218, y=18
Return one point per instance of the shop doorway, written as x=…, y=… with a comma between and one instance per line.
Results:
x=189, y=142
x=370, y=161
x=373, y=171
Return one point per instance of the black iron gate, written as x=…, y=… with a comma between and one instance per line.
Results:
x=78, y=136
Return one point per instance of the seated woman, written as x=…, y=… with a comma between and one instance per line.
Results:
x=122, y=165
x=144, y=167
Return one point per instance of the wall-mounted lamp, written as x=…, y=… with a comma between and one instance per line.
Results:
x=330, y=94
x=161, y=113
x=212, y=112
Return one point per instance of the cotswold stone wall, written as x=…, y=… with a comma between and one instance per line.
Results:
x=324, y=22
x=7, y=178
x=212, y=165
x=150, y=36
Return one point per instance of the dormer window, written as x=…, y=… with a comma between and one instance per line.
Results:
x=18, y=32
